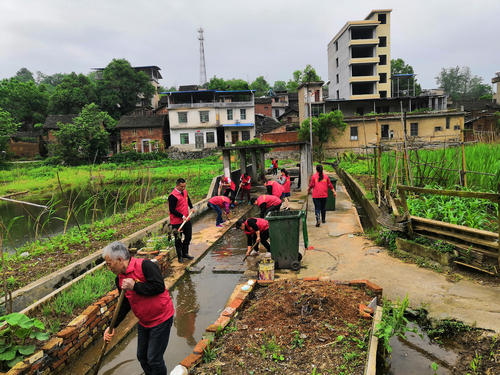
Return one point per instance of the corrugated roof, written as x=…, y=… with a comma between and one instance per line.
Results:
x=130, y=122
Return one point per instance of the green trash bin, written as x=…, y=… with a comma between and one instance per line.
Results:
x=330, y=201
x=284, y=229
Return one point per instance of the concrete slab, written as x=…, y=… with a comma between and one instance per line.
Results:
x=343, y=253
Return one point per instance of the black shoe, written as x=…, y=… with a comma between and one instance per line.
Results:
x=189, y=257
x=323, y=221
x=317, y=223
x=180, y=260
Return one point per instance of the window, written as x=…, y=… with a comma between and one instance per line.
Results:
x=229, y=114
x=382, y=78
x=134, y=131
x=383, y=93
x=438, y=128
x=210, y=137
x=383, y=60
x=183, y=117
x=382, y=18
x=316, y=110
x=245, y=135
x=336, y=46
x=354, y=133
x=184, y=138
x=382, y=41
x=338, y=96
x=385, y=131
x=337, y=78
x=447, y=122
x=456, y=127
x=150, y=130
x=203, y=116
x=360, y=111
x=276, y=113
x=337, y=62
x=243, y=114
x=414, y=129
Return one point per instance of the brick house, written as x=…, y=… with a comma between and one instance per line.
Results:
x=263, y=106
x=143, y=133
x=50, y=125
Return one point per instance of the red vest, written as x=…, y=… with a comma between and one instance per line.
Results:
x=182, y=206
x=150, y=310
x=277, y=188
x=320, y=188
x=225, y=182
x=286, y=185
x=275, y=164
x=245, y=182
x=219, y=200
x=261, y=223
x=269, y=200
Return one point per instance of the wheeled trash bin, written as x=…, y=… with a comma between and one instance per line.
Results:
x=284, y=229
x=330, y=201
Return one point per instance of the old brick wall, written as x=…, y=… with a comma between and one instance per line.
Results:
x=24, y=149
x=127, y=136
x=264, y=109
x=282, y=137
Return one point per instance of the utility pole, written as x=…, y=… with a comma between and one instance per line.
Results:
x=310, y=122
x=203, y=70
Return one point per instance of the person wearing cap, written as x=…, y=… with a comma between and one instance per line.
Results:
x=219, y=203
x=147, y=297
x=257, y=231
x=267, y=203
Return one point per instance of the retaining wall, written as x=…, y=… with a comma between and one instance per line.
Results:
x=359, y=195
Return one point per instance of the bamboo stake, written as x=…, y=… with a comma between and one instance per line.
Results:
x=22, y=202
x=464, y=175
x=113, y=321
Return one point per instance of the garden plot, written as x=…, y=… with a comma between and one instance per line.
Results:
x=294, y=327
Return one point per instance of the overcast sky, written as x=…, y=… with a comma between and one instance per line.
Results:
x=243, y=39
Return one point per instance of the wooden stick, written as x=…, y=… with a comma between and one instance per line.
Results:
x=246, y=256
x=14, y=194
x=22, y=202
x=185, y=221
x=113, y=321
x=494, y=197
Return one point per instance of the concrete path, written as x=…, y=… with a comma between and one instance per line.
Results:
x=342, y=252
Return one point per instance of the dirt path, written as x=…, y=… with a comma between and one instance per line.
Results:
x=343, y=253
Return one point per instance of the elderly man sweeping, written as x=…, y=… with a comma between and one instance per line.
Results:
x=146, y=296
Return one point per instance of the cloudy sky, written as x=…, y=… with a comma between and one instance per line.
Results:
x=243, y=39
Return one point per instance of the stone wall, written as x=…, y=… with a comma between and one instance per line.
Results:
x=177, y=154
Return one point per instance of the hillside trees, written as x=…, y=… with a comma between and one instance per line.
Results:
x=72, y=94
x=461, y=84
x=7, y=128
x=398, y=66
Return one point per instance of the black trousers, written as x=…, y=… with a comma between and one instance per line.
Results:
x=264, y=210
x=320, y=208
x=264, y=236
x=231, y=194
x=182, y=246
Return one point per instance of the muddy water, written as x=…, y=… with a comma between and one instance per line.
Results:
x=27, y=220
x=415, y=356
x=198, y=300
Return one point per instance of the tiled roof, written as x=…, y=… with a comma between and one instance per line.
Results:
x=130, y=122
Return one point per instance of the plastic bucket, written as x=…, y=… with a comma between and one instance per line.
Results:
x=266, y=269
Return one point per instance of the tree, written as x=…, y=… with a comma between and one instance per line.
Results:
x=25, y=101
x=72, y=94
x=50, y=80
x=307, y=75
x=217, y=84
x=86, y=139
x=398, y=66
x=279, y=86
x=7, y=128
x=237, y=84
x=24, y=75
x=460, y=84
x=121, y=87
x=324, y=129
x=260, y=86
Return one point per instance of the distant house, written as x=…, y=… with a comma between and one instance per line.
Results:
x=202, y=119
x=263, y=106
x=51, y=122
x=290, y=116
x=265, y=124
x=153, y=72
x=143, y=133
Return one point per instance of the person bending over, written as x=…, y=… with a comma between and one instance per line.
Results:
x=257, y=231
x=267, y=203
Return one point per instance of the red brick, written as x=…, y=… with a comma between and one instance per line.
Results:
x=202, y=344
x=66, y=332
x=236, y=303
x=219, y=324
x=191, y=360
x=91, y=311
x=264, y=282
x=374, y=287
x=54, y=342
x=107, y=298
x=114, y=293
x=229, y=311
x=128, y=136
x=315, y=278
x=357, y=282
x=324, y=278
x=364, y=311
x=58, y=363
x=78, y=321
x=242, y=295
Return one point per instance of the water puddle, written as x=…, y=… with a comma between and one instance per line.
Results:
x=198, y=299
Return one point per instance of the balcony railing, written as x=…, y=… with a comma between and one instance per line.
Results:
x=212, y=105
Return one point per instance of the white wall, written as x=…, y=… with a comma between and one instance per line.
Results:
x=175, y=138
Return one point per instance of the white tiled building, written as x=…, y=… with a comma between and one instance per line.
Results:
x=210, y=118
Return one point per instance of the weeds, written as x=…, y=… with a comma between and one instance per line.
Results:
x=475, y=364
x=209, y=353
x=297, y=341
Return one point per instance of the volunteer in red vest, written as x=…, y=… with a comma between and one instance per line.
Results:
x=267, y=203
x=274, y=188
x=320, y=183
x=245, y=186
x=179, y=205
x=257, y=230
x=219, y=203
x=146, y=296
x=285, y=181
x=274, y=164
x=229, y=188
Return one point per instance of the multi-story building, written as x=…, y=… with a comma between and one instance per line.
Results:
x=359, y=59
x=496, y=80
x=210, y=118
x=310, y=94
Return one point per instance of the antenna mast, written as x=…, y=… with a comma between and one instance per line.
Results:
x=203, y=70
